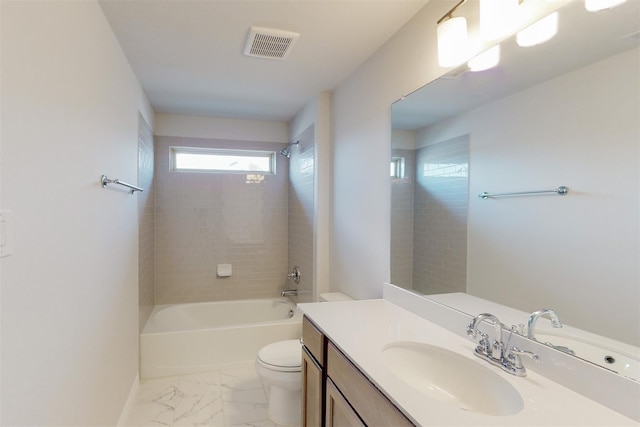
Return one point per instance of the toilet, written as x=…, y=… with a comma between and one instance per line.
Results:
x=280, y=368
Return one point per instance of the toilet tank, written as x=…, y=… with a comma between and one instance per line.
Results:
x=334, y=296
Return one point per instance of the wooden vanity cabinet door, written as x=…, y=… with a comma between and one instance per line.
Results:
x=312, y=381
x=339, y=412
x=371, y=405
x=314, y=340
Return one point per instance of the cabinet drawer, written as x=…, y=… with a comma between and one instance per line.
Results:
x=371, y=405
x=313, y=340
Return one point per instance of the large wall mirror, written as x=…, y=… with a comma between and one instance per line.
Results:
x=563, y=113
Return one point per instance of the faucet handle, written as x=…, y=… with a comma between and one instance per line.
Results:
x=471, y=331
x=515, y=353
x=484, y=345
x=295, y=275
x=518, y=329
x=513, y=363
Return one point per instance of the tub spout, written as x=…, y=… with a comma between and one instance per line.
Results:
x=289, y=292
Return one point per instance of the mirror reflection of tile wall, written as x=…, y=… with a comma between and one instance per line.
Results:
x=402, y=197
x=439, y=219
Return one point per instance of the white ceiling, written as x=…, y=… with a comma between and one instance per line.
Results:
x=188, y=55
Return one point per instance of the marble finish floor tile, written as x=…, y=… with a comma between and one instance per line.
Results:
x=225, y=398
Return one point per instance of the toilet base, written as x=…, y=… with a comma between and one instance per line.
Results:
x=284, y=406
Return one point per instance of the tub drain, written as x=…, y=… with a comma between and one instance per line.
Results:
x=610, y=359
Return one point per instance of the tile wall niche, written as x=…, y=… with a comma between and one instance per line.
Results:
x=402, y=198
x=146, y=221
x=206, y=219
x=440, y=217
x=301, y=213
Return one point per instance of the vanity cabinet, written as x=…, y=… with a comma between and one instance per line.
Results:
x=312, y=385
x=367, y=401
x=313, y=375
x=334, y=391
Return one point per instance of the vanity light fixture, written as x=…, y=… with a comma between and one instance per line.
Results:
x=538, y=32
x=497, y=18
x=597, y=5
x=487, y=59
x=452, y=38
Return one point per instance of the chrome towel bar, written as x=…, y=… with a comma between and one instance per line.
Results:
x=104, y=181
x=561, y=191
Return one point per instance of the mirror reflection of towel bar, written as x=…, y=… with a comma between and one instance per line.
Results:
x=104, y=181
x=561, y=191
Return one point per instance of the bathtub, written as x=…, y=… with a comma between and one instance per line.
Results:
x=197, y=337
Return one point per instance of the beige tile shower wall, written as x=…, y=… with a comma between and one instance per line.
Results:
x=402, y=200
x=440, y=218
x=146, y=222
x=205, y=219
x=301, y=213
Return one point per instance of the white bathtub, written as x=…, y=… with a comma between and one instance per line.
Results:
x=187, y=338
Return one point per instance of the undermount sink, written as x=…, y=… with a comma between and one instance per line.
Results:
x=449, y=377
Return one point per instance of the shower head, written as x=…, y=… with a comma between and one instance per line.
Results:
x=286, y=151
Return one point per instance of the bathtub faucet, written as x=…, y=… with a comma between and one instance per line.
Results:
x=289, y=292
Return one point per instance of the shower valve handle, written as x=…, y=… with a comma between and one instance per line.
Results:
x=294, y=275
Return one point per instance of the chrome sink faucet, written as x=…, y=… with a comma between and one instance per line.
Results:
x=497, y=352
x=555, y=322
x=494, y=350
x=531, y=324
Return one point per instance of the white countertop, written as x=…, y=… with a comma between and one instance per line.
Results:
x=362, y=328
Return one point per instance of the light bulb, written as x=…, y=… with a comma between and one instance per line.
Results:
x=497, y=18
x=452, y=42
x=487, y=59
x=538, y=32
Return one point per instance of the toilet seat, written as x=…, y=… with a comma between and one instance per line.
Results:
x=282, y=356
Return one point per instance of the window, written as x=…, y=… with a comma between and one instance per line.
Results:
x=220, y=160
x=446, y=170
x=397, y=167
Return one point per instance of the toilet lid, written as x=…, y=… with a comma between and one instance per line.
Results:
x=282, y=355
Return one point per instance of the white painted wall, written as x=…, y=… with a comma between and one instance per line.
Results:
x=70, y=107
x=403, y=139
x=578, y=253
x=361, y=108
x=220, y=128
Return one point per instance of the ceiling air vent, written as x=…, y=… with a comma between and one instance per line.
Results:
x=269, y=43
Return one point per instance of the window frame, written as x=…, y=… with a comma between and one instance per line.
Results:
x=397, y=162
x=176, y=150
